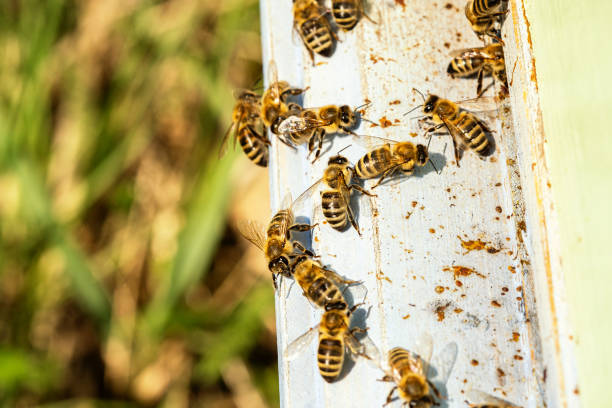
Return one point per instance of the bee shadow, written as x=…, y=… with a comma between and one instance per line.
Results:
x=358, y=319
x=305, y=237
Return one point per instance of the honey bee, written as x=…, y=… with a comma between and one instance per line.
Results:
x=312, y=124
x=410, y=373
x=481, y=61
x=335, y=197
x=482, y=15
x=346, y=13
x=388, y=157
x=274, y=104
x=465, y=128
x=310, y=23
x=318, y=284
x=335, y=335
x=488, y=400
x=247, y=128
x=276, y=244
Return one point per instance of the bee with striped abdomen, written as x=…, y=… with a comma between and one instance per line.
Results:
x=311, y=24
x=390, y=156
x=318, y=284
x=482, y=15
x=346, y=13
x=276, y=244
x=465, y=128
x=410, y=373
x=247, y=128
x=335, y=335
x=274, y=103
x=488, y=60
x=312, y=124
x=487, y=400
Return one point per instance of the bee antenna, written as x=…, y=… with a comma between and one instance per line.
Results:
x=428, y=143
x=362, y=105
x=412, y=110
x=368, y=120
x=343, y=149
x=420, y=93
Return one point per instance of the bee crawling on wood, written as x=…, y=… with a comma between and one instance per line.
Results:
x=488, y=60
x=467, y=130
x=346, y=13
x=310, y=23
x=482, y=15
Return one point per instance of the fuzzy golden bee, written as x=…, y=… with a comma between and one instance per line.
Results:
x=247, y=128
x=274, y=101
x=318, y=284
x=488, y=60
x=465, y=128
x=312, y=124
x=487, y=400
x=346, y=13
x=311, y=24
x=335, y=336
x=410, y=373
x=390, y=156
x=482, y=15
x=276, y=244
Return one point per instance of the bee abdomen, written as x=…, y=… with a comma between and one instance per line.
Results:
x=474, y=134
x=345, y=14
x=334, y=209
x=317, y=36
x=484, y=7
x=330, y=357
x=255, y=149
x=279, y=221
x=373, y=164
x=323, y=292
x=464, y=66
x=399, y=359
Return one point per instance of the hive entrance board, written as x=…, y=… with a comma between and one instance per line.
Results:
x=439, y=253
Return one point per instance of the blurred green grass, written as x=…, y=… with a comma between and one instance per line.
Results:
x=113, y=205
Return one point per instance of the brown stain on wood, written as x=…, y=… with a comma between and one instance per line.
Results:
x=477, y=245
x=459, y=270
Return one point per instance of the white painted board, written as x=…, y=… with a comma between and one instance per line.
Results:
x=410, y=231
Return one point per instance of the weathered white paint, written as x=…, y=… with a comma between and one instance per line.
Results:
x=410, y=230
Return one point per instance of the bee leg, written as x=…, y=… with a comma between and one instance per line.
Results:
x=292, y=92
x=435, y=390
x=434, y=128
x=349, y=212
x=457, y=158
x=386, y=378
x=390, y=396
x=303, y=249
x=362, y=190
x=479, y=91
x=274, y=281
x=385, y=174
x=320, y=135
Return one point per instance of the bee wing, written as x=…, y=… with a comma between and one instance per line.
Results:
x=443, y=363
x=272, y=73
x=374, y=142
x=478, y=398
x=253, y=232
x=300, y=201
x=482, y=104
x=423, y=348
x=223, y=147
x=297, y=346
x=372, y=353
x=471, y=53
x=455, y=132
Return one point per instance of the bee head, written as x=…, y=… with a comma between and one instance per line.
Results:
x=346, y=116
x=430, y=103
x=422, y=155
x=341, y=160
x=279, y=265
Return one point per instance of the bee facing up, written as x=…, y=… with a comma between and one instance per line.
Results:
x=247, y=127
x=482, y=15
x=336, y=193
x=388, y=157
x=318, y=284
x=311, y=24
x=488, y=60
x=335, y=335
x=276, y=244
x=410, y=373
x=274, y=102
x=312, y=124
x=346, y=13
x=487, y=400
x=465, y=128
